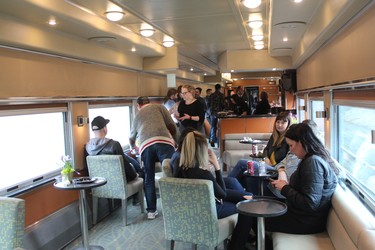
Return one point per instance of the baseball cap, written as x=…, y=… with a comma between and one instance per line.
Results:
x=143, y=100
x=98, y=123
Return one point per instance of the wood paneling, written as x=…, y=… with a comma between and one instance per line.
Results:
x=44, y=201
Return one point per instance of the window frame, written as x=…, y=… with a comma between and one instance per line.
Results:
x=46, y=177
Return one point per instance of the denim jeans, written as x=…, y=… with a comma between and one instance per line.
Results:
x=249, y=183
x=152, y=154
x=213, y=122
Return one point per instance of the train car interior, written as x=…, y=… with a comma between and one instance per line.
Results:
x=65, y=62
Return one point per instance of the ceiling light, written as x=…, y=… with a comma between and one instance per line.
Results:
x=257, y=37
x=114, y=16
x=285, y=39
x=251, y=4
x=259, y=45
x=52, y=22
x=168, y=43
x=255, y=24
x=147, y=32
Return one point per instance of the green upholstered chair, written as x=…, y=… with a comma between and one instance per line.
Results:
x=111, y=167
x=189, y=213
x=12, y=223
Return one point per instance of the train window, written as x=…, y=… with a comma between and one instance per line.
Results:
x=119, y=126
x=355, y=149
x=317, y=105
x=301, y=112
x=31, y=148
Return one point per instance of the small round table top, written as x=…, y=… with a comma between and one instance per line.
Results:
x=267, y=174
x=254, y=142
x=77, y=184
x=262, y=207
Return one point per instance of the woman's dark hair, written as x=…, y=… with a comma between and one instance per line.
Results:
x=264, y=96
x=169, y=93
x=304, y=134
x=277, y=137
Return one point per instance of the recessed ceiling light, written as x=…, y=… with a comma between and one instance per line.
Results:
x=147, y=32
x=115, y=15
x=251, y=4
x=52, y=22
x=255, y=24
x=285, y=39
x=257, y=37
x=168, y=42
x=259, y=45
x=133, y=49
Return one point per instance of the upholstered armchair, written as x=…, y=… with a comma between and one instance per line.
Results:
x=12, y=223
x=189, y=213
x=111, y=167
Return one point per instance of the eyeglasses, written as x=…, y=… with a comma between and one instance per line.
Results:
x=184, y=93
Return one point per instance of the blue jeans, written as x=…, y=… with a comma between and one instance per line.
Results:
x=249, y=183
x=213, y=122
x=152, y=154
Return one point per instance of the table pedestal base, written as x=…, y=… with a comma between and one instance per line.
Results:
x=261, y=236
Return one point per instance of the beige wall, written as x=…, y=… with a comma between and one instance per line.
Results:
x=350, y=56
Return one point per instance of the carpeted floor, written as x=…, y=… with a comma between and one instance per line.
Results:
x=140, y=234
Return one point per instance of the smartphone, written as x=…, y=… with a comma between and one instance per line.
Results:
x=270, y=179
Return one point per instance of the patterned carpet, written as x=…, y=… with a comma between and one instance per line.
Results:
x=140, y=234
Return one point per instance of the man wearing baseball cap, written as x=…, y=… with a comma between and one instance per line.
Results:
x=100, y=145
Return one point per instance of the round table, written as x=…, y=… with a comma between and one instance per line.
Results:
x=261, y=177
x=95, y=182
x=261, y=207
x=253, y=142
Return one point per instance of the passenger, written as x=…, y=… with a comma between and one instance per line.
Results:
x=100, y=145
x=169, y=101
x=308, y=194
x=239, y=101
x=208, y=112
x=190, y=111
x=235, y=190
x=154, y=128
x=263, y=107
x=273, y=153
x=216, y=104
x=198, y=92
x=194, y=163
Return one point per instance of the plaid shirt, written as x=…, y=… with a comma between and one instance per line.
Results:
x=216, y=102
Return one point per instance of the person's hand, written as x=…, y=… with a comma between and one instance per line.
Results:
x=282, y=176
x=267, y=161
x=213, y=159
x=248, y=197
x=185, y=117
x=279, y=184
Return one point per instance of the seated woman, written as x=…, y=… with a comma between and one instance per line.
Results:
x=275, y=151
x=308, y=194
x=194, y=163
x=235, y=191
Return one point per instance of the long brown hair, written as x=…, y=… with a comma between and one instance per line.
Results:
x=277, y=137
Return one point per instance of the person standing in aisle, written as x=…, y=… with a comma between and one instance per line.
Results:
x=156, y=133
x=216, y=103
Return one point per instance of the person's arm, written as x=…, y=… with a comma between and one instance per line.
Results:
x=310, y=182
x=130, y=172
x=281, y=151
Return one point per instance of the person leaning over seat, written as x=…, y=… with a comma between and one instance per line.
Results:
x=157, y=134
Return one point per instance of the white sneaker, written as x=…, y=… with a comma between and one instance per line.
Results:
x=152, y=215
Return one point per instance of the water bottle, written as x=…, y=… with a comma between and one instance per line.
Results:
x=262, y=168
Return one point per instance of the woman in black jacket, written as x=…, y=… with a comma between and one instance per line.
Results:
x=309, y=192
